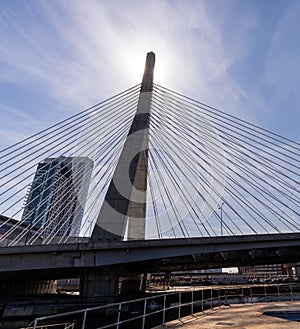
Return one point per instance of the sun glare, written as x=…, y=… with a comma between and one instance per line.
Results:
x=136, y=67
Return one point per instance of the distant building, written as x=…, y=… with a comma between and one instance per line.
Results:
x=17, y=229
x=57, y=196
x=264, y=270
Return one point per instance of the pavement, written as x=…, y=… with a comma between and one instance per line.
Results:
x=239, y=316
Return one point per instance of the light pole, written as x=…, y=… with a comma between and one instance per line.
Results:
x=221, y=217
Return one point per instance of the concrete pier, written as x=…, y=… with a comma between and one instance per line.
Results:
x=99, y=285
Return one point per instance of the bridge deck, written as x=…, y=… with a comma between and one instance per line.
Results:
x=54, y=261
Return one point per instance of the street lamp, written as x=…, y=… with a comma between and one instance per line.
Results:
x=221, y=217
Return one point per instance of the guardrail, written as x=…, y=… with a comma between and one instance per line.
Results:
x=53, y=326
x=156, y=310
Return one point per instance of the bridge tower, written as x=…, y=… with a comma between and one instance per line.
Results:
x=122, y=215
x=123, y=211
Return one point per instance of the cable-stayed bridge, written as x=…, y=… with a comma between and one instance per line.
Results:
x=192, y=185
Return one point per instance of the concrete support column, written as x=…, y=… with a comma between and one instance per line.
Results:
x=297, y=269
x=289, y=269
x=99, y=285
x=131, y=284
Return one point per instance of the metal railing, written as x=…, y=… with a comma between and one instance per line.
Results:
x=54, y=326
x=156, y=310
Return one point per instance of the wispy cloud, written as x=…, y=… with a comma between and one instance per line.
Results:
x=79, y=53
x=97, y=44
x=15, y=125
x=283, y=70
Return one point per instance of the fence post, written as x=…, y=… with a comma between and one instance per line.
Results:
x=265, y=291
x=202, y=300
x=291, y=289
x=192, y=305
x=211, y=297
x=243, y=301
x=278, y=292
x=83, y=320
x=179, y=310
x=35, y=323
x=164, y=310
x=119, y=315
x=144, y=313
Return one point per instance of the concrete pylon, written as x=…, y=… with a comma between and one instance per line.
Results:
x=124, y=207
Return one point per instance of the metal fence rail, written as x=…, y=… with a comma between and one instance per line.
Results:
x=156, y=310
x=54, y=326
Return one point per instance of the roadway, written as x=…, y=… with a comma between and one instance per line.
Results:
x=68, y=260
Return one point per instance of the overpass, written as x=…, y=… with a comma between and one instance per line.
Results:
x=152, y=255
x=129, y=257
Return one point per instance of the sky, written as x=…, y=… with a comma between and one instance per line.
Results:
x=59, y=57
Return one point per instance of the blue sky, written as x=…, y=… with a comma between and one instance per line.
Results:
x=58, y=57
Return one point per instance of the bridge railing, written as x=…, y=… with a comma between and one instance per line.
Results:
x=158, y=309
x=54, y=326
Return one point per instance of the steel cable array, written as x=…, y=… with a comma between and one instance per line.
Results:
x=209, y=173
x=240, y=178
x=70, y=140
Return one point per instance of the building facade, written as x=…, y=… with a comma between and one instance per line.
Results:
x=56, y=198
x=264, y=270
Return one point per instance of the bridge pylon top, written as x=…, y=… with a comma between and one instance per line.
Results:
x=147, y=83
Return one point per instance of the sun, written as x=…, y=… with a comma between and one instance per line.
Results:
x=136, y=67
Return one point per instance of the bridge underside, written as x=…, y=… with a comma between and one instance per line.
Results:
x=100, y=265
x=124, y=258
x=249, y=257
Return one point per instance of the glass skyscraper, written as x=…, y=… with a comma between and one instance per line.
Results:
x=57, y=196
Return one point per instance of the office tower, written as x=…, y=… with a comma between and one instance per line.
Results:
x=57, y=196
